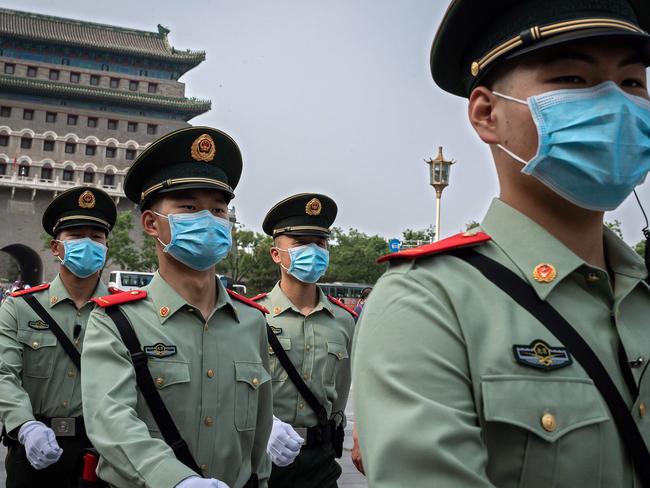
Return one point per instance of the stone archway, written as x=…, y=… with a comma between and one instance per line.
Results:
x=29, y=262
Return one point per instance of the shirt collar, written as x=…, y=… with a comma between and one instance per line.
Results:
x=281, y=302
x=59, y=293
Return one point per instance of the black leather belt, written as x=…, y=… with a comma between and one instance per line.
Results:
x=64, y=426
x=315, y=436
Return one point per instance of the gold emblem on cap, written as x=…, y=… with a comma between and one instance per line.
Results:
x=544, y=273
x=203, y=148
x=313, y=207
x=87, y=199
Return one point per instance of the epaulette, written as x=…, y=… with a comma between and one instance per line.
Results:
x=343, y=306
x=247, y=301
x=114, y=290
x=259, y=297
x=33, y=289
x=464, y=239
x=119, y=298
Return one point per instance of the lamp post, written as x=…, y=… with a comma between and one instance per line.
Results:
x=439, y=180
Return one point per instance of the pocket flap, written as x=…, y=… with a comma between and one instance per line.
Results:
x=285, y=342
x=547, y=407
x=338, y=350
x=252, y=373
x=166, y=372
x=36, y=340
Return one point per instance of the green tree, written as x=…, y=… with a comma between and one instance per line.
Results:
x=423, y=235
x=615, y=227
x=353, y=257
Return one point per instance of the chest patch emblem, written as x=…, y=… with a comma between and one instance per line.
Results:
x=540, y=355
x=160, y=350
x=38, y=325
x=276, y=330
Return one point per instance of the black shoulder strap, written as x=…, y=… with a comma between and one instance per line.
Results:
x=149, y=391
x=295, y=377
x=521, y=292
x=65, y=342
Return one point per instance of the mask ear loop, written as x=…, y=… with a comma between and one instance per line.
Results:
x=646, y=234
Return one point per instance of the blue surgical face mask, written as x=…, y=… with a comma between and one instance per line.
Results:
x=83, y=257
x=594, y=144
x=308, y=262
x=198, y=240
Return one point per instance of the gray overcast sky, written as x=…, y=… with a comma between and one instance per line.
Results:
x=329, y=96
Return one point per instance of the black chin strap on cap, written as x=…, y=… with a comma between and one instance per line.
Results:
x=646, y=234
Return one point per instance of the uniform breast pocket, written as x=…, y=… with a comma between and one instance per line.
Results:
x=172, y=378
x=543, y=430
x=39, y=349
x=249, y=376
x=336, y=355
x=277, y=371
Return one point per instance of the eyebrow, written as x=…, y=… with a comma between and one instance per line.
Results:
x=586, y=58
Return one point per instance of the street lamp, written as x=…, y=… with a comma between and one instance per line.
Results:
x=439, y=180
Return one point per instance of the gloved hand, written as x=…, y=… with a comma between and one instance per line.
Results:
x=284, y=443
x=198, y=482
x=40, y=444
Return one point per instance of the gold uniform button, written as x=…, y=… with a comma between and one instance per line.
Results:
x=255, y=381
x=209, y=421
x=642, y=409
x=71, y=373
x=549, y=424
x=210, y=373
x=160, y=381
x=306, y=376
x=135, y=292
x=204, y=467
x=65, y=403
x=308, y=347
x=340, y=355
x=35, y=344
x=592, y=278
x=301, y=406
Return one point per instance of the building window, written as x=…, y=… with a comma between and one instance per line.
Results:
x=26, y=142
x=110, y=152
x=23, y=170
x=32, y=71
x=75, y=77
x=132, y=127
x=105, y=67
x=5, y=111
x=89, y=176
x=109, y=179
x=46, y=173
x=92, y=122
x=50, y=117
x=91, y=150
x=54, y=74
x=28, y=114
x=48, y=145
x=10, y=68
x=68, y=173
x=4, y=140
x=152, y=88
x=94, y=80
x=3, y=168
x=65, y=61
x=115, y=83
x=112, y=124
x=152, y=129
x=144, y=72
x=130, y=154
x=70, y=147
x=72, y=119
x=133, y=85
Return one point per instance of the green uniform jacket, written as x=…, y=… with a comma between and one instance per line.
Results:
x=319, y=347
x=211, y=374
x=440, y=397
x=36, y=375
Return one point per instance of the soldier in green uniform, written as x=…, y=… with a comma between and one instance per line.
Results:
x=316, y=333
x=457, y=384
x=40, y=387
x=206, y=349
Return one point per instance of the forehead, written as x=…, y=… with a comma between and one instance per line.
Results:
x=82, y=229
x=301, y=239
x=194, y=195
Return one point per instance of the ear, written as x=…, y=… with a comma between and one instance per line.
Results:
x=149, y=223
x=54, y=247
x=275, y=255
x=482, y=116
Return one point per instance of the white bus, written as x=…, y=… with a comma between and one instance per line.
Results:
x=134, y=280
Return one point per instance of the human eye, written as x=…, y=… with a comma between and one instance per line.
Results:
x=569, y=80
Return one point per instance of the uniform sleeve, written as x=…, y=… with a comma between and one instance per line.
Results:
x=344, y=377
x=15, y=405
x=415, y=412
x=260, y=461
x=110, y=397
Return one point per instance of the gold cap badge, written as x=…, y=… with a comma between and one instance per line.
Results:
x=544, y=273
x=87, y=199
x=203, y=148
x=313, y=207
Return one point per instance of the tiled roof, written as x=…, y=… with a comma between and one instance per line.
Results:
x=26, y=25
x=189, y=107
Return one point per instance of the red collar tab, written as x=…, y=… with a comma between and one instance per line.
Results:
x=464, y=239
x=119, y=298
x=343, y=306
x=247, y=301
x=259, y=297
x=33, y=289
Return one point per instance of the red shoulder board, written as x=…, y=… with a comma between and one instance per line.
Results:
x=114, y=290
x=464, y=239
x=119, y=298
x=33, y=289
x=259, y=297
x=343, y=306
x=247, y=301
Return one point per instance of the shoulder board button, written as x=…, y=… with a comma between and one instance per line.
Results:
x=247, y=301
x=259, y=297
x=343, y=306
x=33, y=289
x=119, y=298
x=464, y=239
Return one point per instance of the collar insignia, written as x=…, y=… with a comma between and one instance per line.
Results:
x=203, y=148
x=87, y=199
x=544, y=273
x=540, y=355
x=160, y=350
x=38, y=325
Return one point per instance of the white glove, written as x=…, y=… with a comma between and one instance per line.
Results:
x=198, y=482
x=284, y=443
x=40, y=444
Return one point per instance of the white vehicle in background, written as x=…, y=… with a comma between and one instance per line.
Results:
x=134, y=280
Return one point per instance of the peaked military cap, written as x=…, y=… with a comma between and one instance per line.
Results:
x=81, y=206
x=188, y=158
x=476, y=35
x=305, y=214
